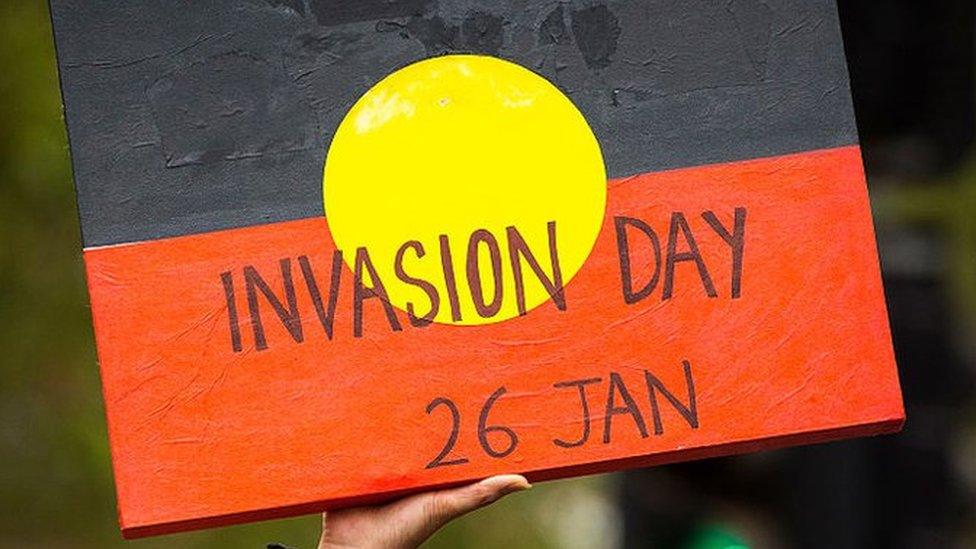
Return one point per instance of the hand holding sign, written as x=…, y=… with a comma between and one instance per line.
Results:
x=410, y=521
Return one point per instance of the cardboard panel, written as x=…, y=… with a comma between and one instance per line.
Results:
x=251, y=369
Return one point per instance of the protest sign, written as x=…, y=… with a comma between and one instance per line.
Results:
x=342, y=251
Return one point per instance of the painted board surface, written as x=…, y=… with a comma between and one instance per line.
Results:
x=339, y=251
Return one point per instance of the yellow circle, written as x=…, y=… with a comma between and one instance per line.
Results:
x=455, y=146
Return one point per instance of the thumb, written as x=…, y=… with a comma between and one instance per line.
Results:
x=428, y=512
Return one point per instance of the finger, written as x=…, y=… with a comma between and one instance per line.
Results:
x=426, y=513
x=449, y=504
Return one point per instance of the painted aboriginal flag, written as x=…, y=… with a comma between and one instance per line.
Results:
x=339, y=251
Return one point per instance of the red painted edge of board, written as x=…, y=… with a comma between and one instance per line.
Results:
x=733, y=448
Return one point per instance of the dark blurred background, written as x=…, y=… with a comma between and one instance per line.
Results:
x=912, y=68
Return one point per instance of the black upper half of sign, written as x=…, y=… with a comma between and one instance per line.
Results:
x=189, y=117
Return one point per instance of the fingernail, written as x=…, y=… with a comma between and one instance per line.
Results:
x=507, y=484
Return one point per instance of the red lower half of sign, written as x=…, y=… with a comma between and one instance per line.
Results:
x=724, y=309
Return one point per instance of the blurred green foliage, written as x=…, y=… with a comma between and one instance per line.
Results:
x=948, y=205
x=55, y=474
